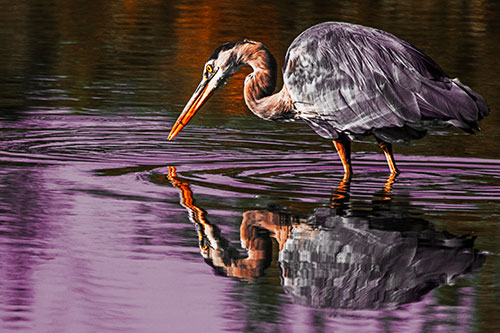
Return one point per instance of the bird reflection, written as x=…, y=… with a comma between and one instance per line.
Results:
x=339, y=257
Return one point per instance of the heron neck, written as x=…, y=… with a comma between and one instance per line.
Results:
x=261, y=83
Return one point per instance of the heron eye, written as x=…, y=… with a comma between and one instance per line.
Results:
x=210, y=69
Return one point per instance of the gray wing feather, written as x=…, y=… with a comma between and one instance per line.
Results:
x=350, y=79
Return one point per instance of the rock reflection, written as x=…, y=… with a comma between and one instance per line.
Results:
x=339, y=257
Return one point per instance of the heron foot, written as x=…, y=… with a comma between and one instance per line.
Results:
x=395, y=172
x=341, y=194
x=388, y=185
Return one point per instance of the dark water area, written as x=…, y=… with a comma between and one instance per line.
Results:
x=238, y=224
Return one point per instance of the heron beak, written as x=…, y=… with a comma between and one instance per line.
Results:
x=200, y=96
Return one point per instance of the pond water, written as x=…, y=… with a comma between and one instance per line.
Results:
x=237, y=224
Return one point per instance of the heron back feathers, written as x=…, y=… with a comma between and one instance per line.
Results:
x=356, y=80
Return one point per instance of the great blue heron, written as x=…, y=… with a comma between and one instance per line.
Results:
x=345, y=81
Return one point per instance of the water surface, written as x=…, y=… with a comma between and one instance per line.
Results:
x=238, y=224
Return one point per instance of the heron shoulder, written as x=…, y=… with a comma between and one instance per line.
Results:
x=331, y=44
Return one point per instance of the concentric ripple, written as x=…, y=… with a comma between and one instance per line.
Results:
x=236, y=162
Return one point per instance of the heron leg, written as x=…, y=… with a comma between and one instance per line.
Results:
x=387, y=148
x=343, y=146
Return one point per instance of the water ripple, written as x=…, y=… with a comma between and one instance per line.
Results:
x=240, y=162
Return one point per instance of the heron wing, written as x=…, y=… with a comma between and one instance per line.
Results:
x=351, y=79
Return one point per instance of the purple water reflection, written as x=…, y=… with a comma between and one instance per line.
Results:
x=72, y=266
x=109, y=247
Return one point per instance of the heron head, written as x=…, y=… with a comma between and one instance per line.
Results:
x=222, y=64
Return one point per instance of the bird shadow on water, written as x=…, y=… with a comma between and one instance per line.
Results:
x=338, y=257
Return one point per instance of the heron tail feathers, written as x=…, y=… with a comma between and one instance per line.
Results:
x=454, y=104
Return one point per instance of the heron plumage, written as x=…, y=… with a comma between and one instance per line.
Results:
x=354, y=80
